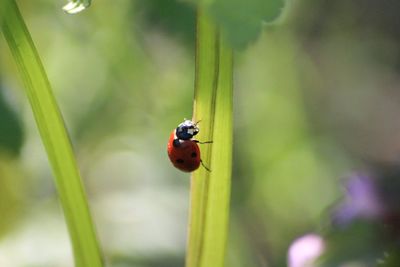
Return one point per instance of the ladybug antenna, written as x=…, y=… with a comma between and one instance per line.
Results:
x=197, y=122
x=204, y=166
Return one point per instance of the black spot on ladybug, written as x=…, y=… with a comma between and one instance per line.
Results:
x=180, y=161
x=194, y=154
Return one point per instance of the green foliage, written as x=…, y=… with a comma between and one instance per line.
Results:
x=54, y=137
x=176, y=17
x=11, y=134
x=242, y=21
x=123, y=80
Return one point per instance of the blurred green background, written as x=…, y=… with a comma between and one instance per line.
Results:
x=316, y=97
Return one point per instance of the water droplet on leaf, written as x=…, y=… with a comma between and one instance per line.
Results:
x=76, y=6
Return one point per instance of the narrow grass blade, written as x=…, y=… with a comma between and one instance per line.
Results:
x=210, y=191
x=54, y=137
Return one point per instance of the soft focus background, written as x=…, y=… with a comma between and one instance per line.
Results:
x=317, y=97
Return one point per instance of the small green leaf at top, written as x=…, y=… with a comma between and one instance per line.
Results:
x=241, y=21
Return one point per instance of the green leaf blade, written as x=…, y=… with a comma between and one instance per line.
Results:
x=217, y=215
x=54, y=136
x=210, y=191
x=206, y=70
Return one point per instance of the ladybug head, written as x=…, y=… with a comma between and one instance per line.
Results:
x=186, y=130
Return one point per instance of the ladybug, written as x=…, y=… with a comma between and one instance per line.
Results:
x=183, y=150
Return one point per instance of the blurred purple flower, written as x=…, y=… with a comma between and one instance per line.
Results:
x=304, y=251
x=361, y=201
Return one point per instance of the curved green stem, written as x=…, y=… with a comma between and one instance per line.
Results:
x=54, y=137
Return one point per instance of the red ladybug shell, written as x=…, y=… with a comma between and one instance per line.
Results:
x=184, y=154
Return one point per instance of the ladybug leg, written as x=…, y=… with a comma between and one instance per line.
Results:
x=205, y=167
x=206, y=142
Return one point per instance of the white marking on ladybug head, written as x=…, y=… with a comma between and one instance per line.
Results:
x=191, y=131
x=187, y=123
